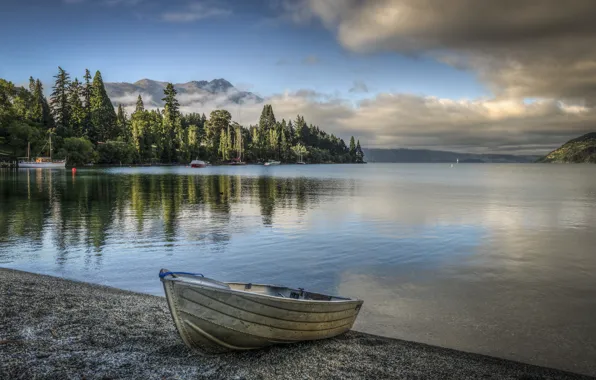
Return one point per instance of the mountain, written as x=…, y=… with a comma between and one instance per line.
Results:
x=218, y=92
x=578, y=150
x=430, y=156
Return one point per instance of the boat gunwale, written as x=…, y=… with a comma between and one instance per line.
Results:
x=342, y=300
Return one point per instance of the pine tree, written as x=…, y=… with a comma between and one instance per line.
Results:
x=172, y=134
x=77, y=112
x=86, y=91
x=171, y=103
x=36, y=102
x=59, y=102
x=359, y=153
x=123, y=131
x=46, y=114
x=102, y=114
x=352, y=149
x=140, y=130
x=140, y=106
x=31, y=85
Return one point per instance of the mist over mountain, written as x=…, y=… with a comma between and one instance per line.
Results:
x=218, y=92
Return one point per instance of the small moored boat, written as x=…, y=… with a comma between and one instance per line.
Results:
x=198, y=164
x=272, y=162
x=221, y=316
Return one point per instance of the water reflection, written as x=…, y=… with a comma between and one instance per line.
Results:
x=83, y=211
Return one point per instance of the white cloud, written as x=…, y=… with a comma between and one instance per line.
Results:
x=196, y=11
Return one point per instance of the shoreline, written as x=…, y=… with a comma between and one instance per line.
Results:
x=56, y=328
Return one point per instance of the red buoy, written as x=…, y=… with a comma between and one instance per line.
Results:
x=74, y=170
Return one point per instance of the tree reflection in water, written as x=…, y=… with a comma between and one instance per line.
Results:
x=83, y=214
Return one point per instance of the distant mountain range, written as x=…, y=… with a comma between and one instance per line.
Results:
x=578, y=150
x=430, y=156
x=217, y=91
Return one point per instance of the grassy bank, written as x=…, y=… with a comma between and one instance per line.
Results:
x=54, y=328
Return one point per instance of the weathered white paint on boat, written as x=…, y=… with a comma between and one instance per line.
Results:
x=218, y=316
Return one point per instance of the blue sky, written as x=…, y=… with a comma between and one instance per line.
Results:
x=246, y=43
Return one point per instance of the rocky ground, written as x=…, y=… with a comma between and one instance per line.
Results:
x=52, y=328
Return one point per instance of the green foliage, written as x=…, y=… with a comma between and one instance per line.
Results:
x=578, y=150
x=59, y=102
x=115, y=152
x=77, y=112
x=102, y=115
x=78, y=151
x=86, y=121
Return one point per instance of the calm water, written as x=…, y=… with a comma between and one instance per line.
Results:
x=495, y=259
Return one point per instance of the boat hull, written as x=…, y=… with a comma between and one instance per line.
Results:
x=45, y=165
x=219, y=320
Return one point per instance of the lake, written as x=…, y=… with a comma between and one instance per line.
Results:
x=487, y=258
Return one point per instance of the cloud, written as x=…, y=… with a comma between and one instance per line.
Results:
x=196, y=11
x=311, y=60
x=519, y=48
x=359, y=87
x=391, y=120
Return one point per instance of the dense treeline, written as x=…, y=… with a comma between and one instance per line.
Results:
x=86, y=128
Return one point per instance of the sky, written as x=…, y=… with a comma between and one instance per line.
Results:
x=486, y=77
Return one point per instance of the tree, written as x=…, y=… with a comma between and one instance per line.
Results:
x=173, y=137
x=115, y=152
x=86, y=91
x=300, y=151
x=102, y=114
x=352, y=150
x=219, y=120
x=140, y=131
x=77, y=112
x=78, y=151
x=223, y=146
x=59, y=102
x=46, y=113
x=359, y=153
x=123, y=131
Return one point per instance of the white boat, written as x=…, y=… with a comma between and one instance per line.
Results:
x=41, y=162
x=198, y=164
x=272, y=162
x=222, y=316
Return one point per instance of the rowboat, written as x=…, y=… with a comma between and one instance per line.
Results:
x=224, y=316
x=272, y=162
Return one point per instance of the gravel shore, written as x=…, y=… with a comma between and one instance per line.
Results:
x=51, y=328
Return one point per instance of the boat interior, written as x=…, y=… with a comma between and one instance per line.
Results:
x=283, y=292
x=269, y=290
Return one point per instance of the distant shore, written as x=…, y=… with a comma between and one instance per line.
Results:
x=54, y=328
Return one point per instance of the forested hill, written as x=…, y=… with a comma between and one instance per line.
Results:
x=429, y=156
x=578, y=150
x=217, y=91
x=85, y=127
